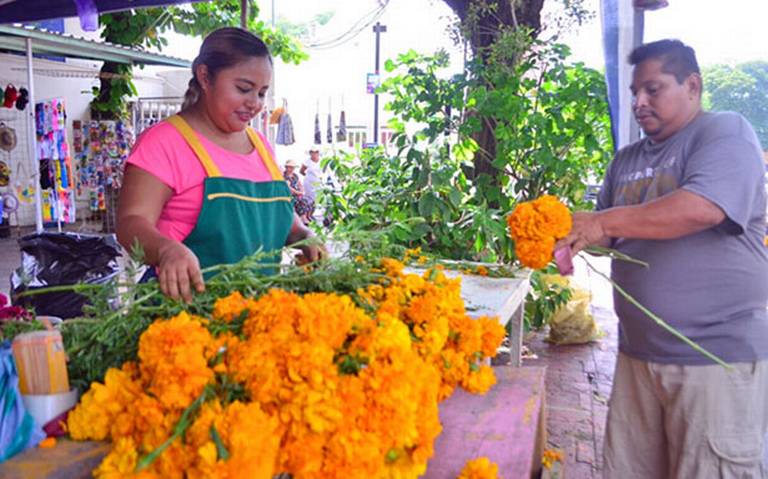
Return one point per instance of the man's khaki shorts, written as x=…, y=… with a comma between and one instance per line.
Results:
x=670, y=421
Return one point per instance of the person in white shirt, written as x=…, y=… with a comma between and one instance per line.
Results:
x=313, y=175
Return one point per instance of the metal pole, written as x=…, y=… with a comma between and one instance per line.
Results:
x=377, y=29
x=32, y=140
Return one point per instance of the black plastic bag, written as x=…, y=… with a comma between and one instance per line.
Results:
x=56, y=259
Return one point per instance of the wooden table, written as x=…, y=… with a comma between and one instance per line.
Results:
x=507, y=425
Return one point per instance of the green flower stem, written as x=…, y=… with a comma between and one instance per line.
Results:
x=181, y=427
x=614, y=254
x=660, y=321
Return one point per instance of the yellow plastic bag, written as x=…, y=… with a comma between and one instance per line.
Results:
x=573, y=322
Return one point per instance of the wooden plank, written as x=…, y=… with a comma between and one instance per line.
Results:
x=66, y=460
x=506, y=425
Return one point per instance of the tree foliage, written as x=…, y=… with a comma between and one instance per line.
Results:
x=499, y=33
x=145, y=27
x=552, y=133
x=742, y=88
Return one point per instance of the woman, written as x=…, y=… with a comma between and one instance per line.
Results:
x=202, y=188
x=302, y=204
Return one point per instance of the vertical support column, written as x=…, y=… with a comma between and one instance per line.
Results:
x=32, y=140
x=516, y=336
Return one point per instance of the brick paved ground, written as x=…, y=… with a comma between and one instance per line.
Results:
x=578, y=385
x=578, y=382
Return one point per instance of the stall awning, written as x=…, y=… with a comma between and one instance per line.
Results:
x=26, y=11
x=13, y=37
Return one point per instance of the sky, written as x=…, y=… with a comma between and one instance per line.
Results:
x=720, y=32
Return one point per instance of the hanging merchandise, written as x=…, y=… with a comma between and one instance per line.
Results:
x=318, y=135
x=101, y=149
x=341, y=135
x=56, y=178
x=329, y=129
x=284, y=123
x=5, y=174
x=7, y=137
x=10, y=96
x=285, y=134
x=25, y=194
x=23, y=99
x=274, y=118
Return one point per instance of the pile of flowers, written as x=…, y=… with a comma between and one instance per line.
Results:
x=535, y=226
x=318, y=385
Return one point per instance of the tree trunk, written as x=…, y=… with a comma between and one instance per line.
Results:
x=107, y=75
x=526, y=13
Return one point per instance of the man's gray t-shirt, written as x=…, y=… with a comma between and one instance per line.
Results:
x=712, y=285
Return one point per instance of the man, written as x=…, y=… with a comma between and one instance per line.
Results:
x=689, y=200
x=312, y=173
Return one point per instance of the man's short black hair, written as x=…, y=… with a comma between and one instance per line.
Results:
x=677, y=58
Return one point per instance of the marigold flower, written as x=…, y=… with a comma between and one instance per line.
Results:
x=480, y=468
x=535, y=226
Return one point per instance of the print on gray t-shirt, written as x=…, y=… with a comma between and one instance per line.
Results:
x=711, y=285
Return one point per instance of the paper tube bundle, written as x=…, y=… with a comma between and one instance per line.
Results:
x=41, y=363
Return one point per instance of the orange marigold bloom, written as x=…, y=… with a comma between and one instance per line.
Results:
x=535, y=226
x=535, y=254
x=174, y=359
x=480, y=468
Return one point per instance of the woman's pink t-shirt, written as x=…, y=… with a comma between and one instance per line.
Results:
x=164, y=153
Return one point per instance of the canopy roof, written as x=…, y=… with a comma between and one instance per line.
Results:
x=24, y=11
x=13, y=37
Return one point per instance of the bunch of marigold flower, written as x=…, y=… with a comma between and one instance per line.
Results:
x=315, y=385
x=535, y=226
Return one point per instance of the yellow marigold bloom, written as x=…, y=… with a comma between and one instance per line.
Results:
x=120, y=462
x=765, y=241
x=174, y=364
x=551, y=456
x=392, y=266
x=493, y=334
x=556, y=218
x=535, y=226
x=98, y=408
x=47, y=443
x=413, y=252
x=230, y=307
x=481, y=270
x=535, y=254
x=252, y=440
x=480, y=381
x=480, y=468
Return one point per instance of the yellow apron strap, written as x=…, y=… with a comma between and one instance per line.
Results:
x=194, y=142
x=269, y=162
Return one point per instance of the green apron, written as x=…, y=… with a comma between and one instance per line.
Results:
x=238, y=217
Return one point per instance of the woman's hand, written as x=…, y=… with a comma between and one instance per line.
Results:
x=299, y=232
x=178, y=271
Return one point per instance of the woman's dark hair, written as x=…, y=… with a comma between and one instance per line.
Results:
x=222, y=49
x=676, y=57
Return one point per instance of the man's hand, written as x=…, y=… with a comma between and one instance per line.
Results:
x=587, y=230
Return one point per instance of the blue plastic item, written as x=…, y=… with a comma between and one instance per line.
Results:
x=18, y=431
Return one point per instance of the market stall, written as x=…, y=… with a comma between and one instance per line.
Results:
x=33, y=41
